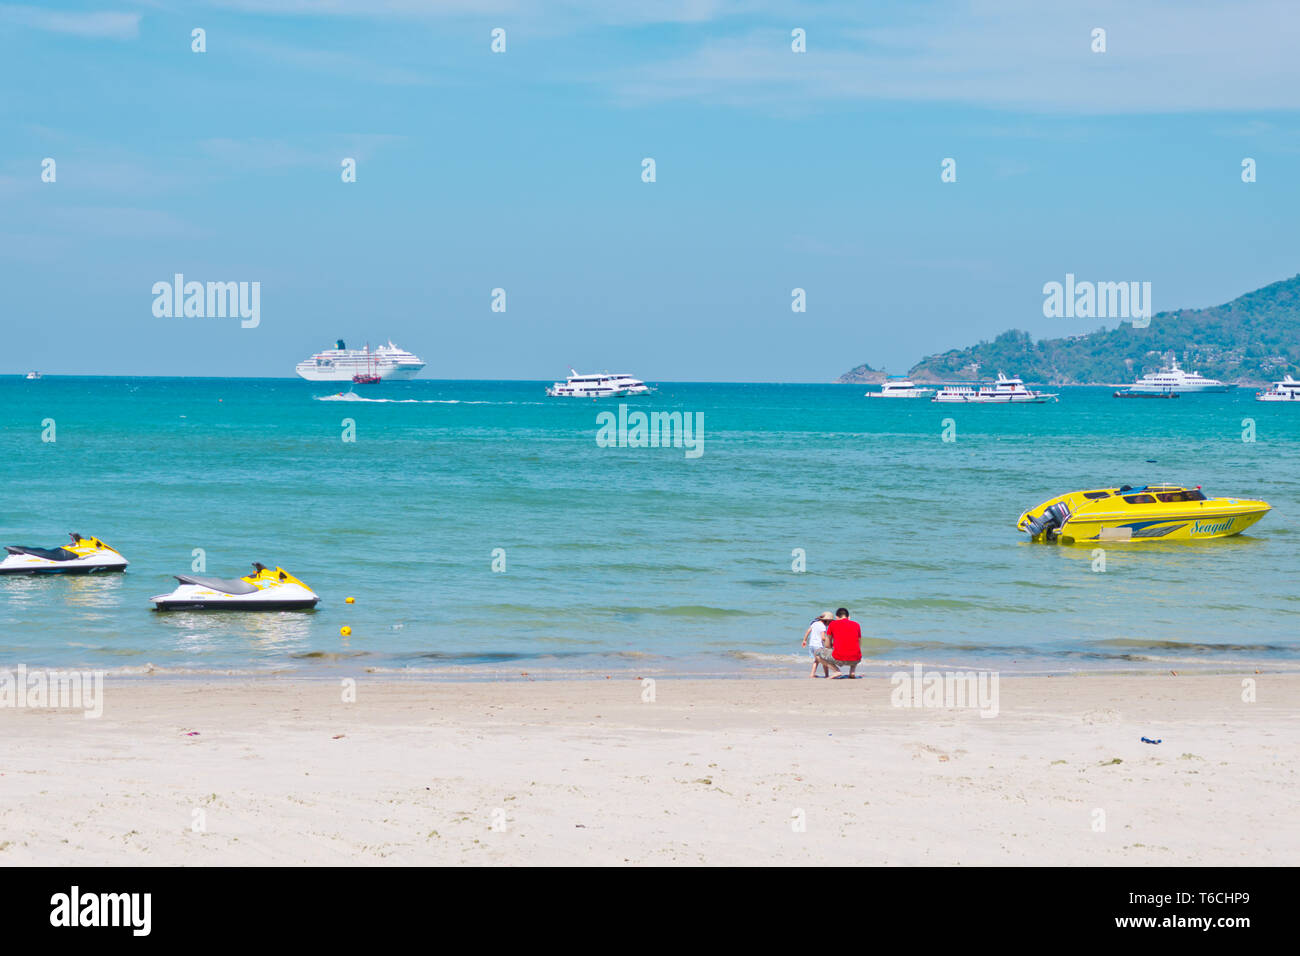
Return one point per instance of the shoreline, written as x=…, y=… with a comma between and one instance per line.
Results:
x=522, y=672
x=745, y=771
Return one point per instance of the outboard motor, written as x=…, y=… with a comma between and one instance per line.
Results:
x=1050, y=520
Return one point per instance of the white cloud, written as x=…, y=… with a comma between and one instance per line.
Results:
x=104, y=24
x=587, y=12
x=1018, y=54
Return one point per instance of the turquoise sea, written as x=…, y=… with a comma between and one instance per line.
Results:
x=630, y=559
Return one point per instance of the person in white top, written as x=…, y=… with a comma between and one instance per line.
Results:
x=814, y=639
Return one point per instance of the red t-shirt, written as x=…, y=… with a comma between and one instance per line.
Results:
x=846, y=639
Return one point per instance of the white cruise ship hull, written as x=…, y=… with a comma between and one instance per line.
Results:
x=1180, y=389
x=342, y=364
x=340, y=373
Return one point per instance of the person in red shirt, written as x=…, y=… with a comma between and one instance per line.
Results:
x=845, y=638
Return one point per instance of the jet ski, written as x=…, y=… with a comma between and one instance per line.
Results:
x=263, y=590
x=82, y=556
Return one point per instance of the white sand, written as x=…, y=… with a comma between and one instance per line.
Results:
x=710, y=772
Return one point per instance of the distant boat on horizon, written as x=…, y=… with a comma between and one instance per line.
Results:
x=901, y=388
x=33, y=376
x=1172, y=379
x=603, y=385
x=342, y=364
x=1004, y=390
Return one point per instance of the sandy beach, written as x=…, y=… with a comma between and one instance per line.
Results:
x=797, y=771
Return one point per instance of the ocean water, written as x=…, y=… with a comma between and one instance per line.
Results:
x=623, y=560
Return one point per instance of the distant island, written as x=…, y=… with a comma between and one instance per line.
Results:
x=1253, y=339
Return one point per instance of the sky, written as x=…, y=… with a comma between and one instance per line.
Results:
x=522, y=170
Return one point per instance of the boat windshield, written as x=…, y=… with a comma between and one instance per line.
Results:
x=1140, y=499
x=1181, y=496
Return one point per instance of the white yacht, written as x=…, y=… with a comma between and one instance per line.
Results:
x=1174, y=380
x=900, y=388
x=1287, y=390
x=1002, y=391
x=603, y=385
x=33, y=376
x=342, y=364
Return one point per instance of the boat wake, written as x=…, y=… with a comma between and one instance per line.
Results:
x=354, y=397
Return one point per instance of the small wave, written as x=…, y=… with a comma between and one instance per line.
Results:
x=153, y=670
x=1153, y=644
x=354, y=397
x=327, y=655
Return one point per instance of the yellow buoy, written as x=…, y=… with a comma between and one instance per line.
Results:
x=349, y=600
x=345, y=630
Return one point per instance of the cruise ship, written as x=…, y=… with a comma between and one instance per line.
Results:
x=1287, y=390
x=1173, y=380
x=1004, y=390
x=603, y=385
x=342, y=364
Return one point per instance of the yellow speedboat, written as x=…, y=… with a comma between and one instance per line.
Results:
x=1153, y=513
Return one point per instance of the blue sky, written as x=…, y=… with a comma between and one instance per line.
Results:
x=522, y=170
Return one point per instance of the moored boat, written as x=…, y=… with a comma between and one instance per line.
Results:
x=1172, y=380
x=900, y=388
x=83, y=556
x=263, y=590
x=1150, y=513
x=1287, y=390
x=1006, y=390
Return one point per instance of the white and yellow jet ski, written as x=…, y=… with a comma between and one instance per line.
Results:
x=263, y=590
x=83, y=556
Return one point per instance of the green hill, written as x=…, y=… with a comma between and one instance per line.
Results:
x=1255, y=338
x=862, y=375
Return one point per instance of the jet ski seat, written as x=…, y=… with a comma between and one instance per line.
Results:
x=224, y=585
x=49, y=554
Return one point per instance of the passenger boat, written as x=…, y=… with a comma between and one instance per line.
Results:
x=1287, y=390
x=1150, y=513
x=900, y=388
x=602, y=385
x=1004, y=390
